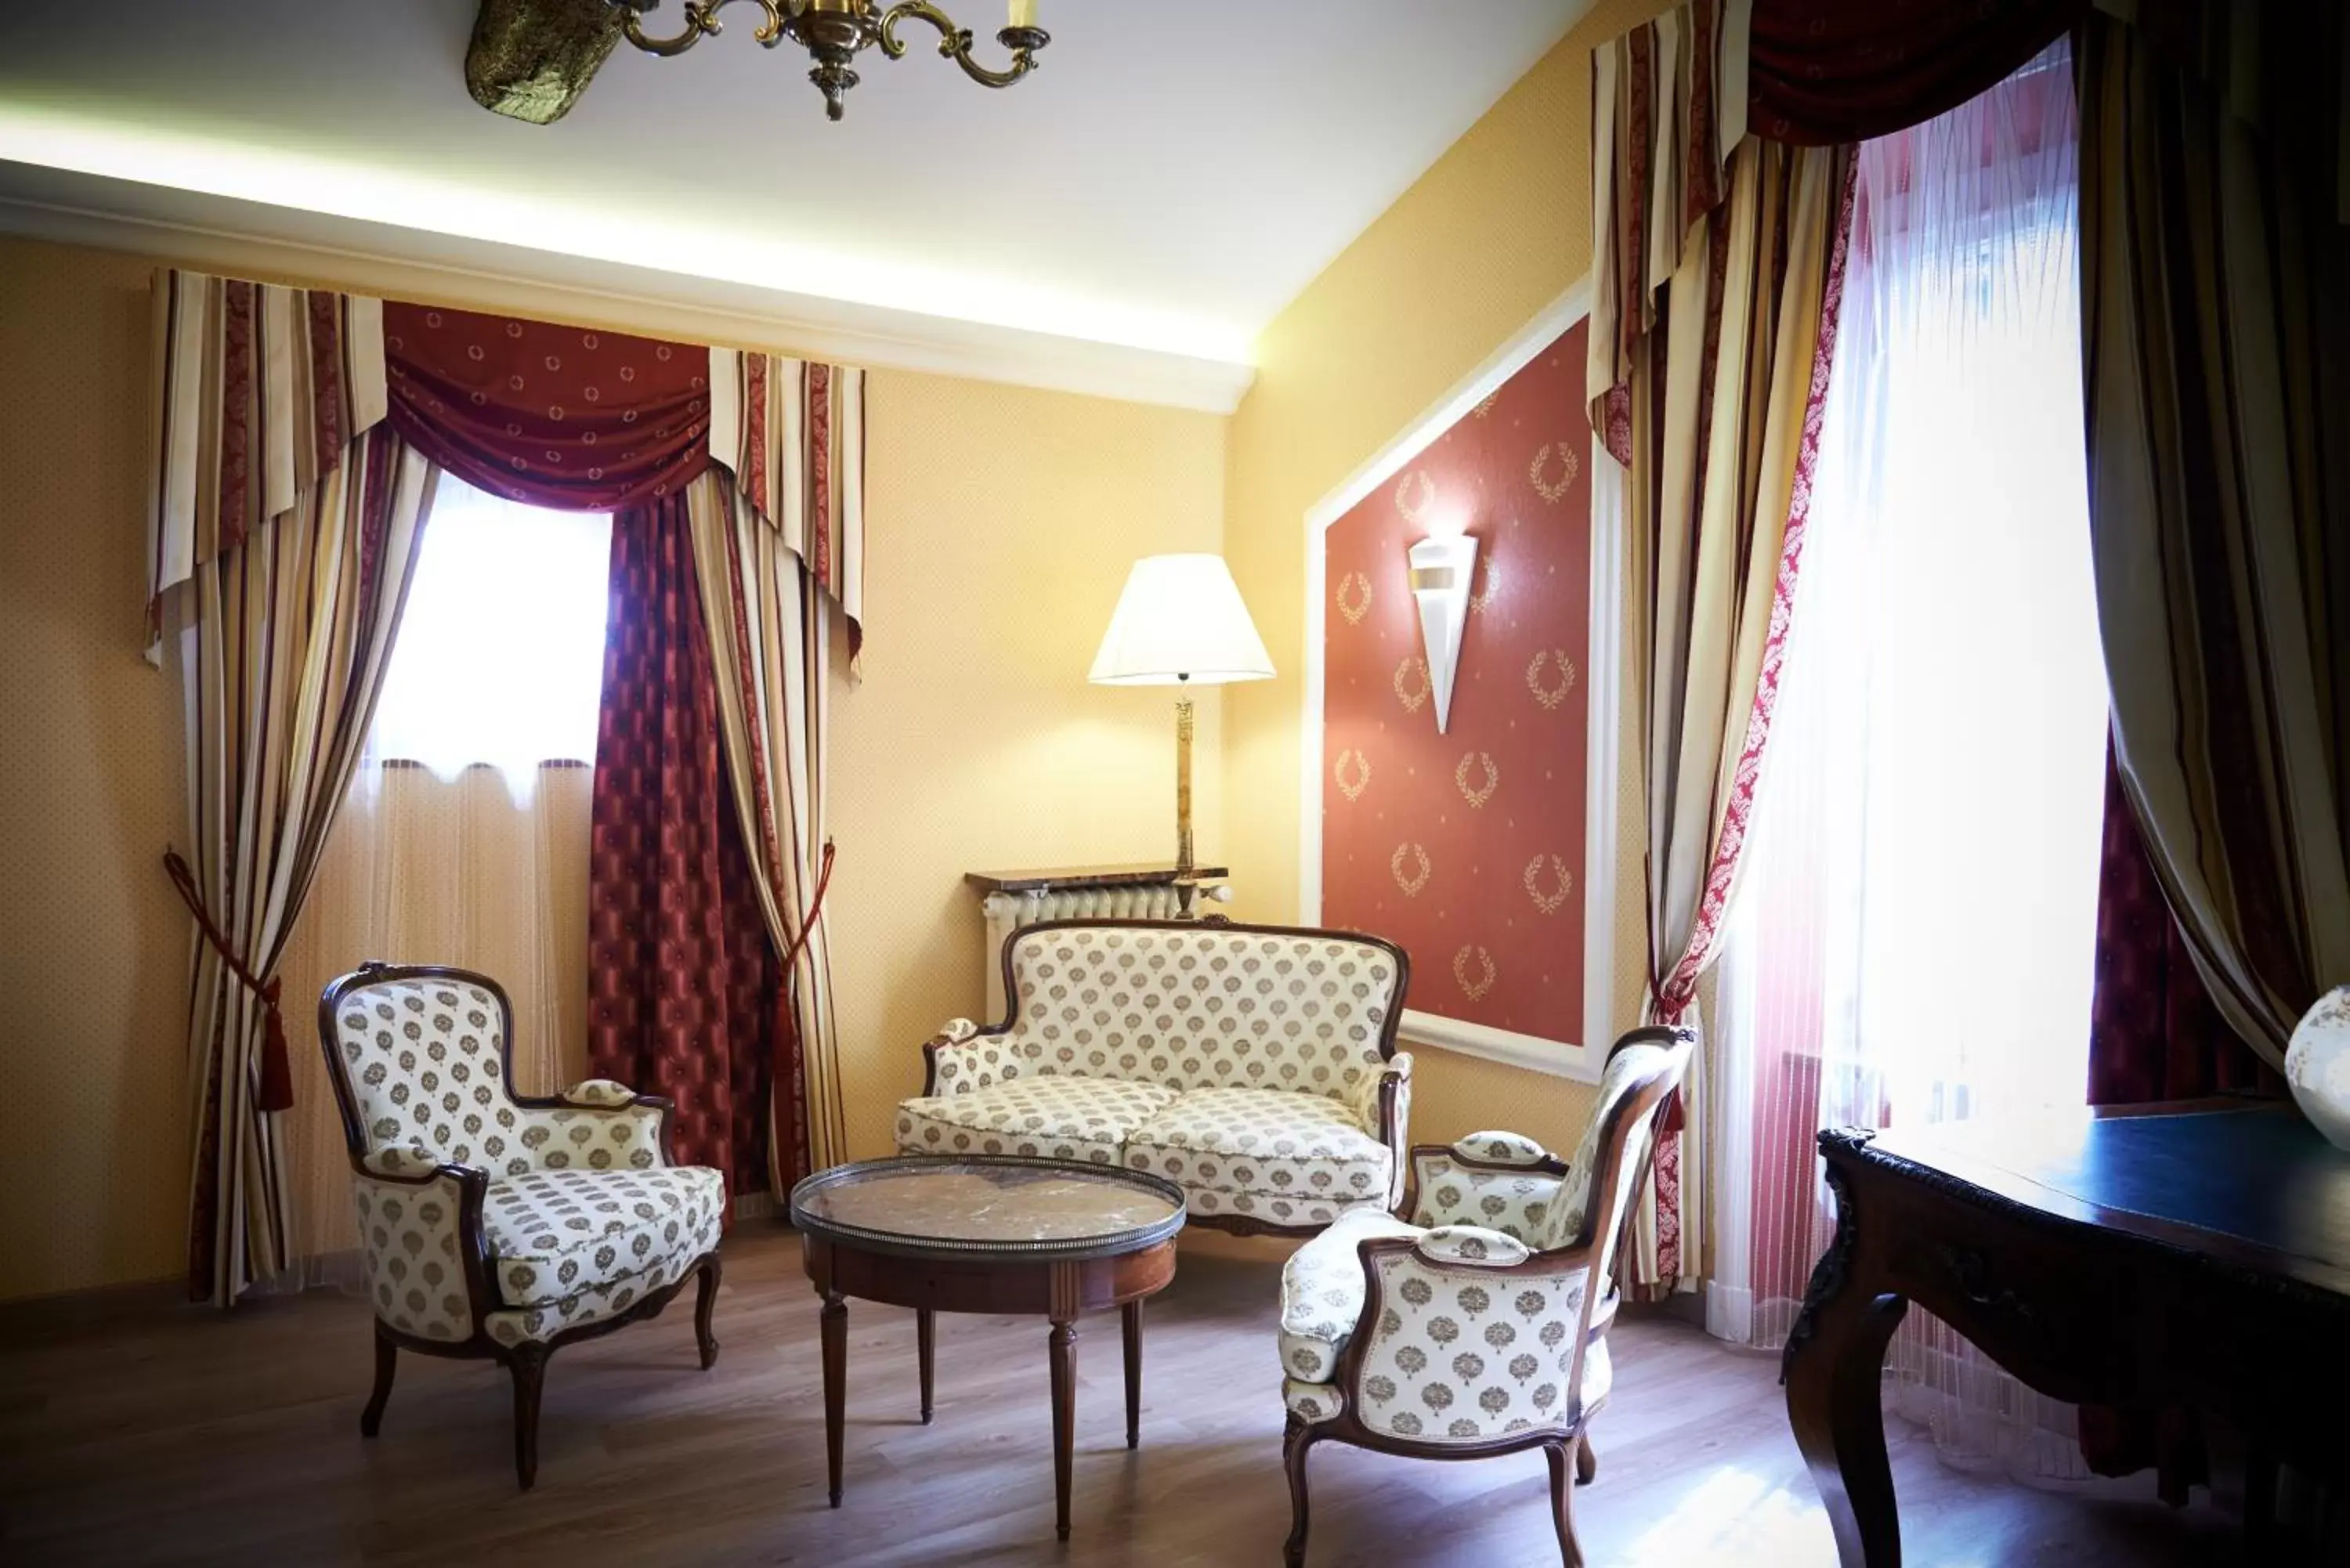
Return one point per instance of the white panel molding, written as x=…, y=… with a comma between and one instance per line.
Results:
x=1579, y=1060
x=222, y=234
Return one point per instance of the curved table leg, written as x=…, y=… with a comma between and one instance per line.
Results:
x=1833, y=1366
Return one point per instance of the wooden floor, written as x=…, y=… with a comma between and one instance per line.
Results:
x=197, y=1438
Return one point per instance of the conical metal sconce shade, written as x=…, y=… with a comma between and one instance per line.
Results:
x=1441, y=570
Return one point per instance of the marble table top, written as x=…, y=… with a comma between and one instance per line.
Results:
x=989, y=1206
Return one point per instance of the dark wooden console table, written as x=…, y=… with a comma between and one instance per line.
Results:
x=988, y=1234
x=2187, y=1255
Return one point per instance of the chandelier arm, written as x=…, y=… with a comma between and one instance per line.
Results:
x=701, y=18
x=954, y=42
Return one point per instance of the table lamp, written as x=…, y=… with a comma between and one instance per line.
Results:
x=1181, y=623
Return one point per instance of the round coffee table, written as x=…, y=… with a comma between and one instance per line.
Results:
x=989, y=1234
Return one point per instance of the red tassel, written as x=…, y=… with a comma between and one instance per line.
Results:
x=277, y=1091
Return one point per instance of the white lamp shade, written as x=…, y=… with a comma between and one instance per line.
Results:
x=1181, y=618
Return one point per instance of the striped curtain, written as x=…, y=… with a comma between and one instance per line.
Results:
x=2215, y=234
x=257, y=392
x=282, y=636
x=793, y=431
x=768, y=610
x=1718, y=268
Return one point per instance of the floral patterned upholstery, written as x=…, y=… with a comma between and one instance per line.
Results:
x=1480, y=1326
x=1059, y=1119
x=1263, y=1150
x=554, y=1232
x=1518, y=1203
x=1475, y=1338
x=424, y=1060
x=582, y=1215
x=1245, y=1063
x=409, y=1238
x=1321, y=1289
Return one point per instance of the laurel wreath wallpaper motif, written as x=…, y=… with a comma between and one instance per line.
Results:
x=1468, y=848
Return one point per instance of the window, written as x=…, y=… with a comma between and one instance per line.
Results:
x=500, y=659
x=1916, y=939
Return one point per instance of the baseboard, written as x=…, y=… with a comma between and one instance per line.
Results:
x=93, y=1306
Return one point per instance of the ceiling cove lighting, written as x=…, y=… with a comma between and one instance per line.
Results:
x=834, y=32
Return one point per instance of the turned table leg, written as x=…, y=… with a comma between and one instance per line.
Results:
x=835, y=1321
x=1062, y=1345
x=1132, y=1314
x=1834, y=1368
x=926, y=1343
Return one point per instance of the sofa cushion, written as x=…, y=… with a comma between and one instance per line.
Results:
x=1050, y=1117
x=1291, y=1157
x=555, y=1234
x=1322, y=1294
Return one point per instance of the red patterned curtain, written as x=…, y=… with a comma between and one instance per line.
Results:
x=2153, y=1032
x=1822, y=72
x=680, y=966
x=554, y=416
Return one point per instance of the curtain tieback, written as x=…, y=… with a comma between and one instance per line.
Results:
x=1665, y=1010
x=277, y=1090
x=815, y=909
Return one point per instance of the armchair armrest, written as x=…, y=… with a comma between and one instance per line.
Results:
x=1370, y=1101
x=962, y=1056
x=1458, y=1348
x=1506, y=1148
x=427, y=1255
x=1470, y=1246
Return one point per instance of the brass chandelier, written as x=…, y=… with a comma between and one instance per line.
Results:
x=834, y=31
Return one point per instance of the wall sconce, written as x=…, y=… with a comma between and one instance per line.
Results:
x=1441, y=569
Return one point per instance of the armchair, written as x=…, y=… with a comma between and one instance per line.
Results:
x=1480, y=1327
x=493, y=1224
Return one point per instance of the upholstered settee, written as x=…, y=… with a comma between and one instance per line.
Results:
x=495, y=1224
x=1254, y=1065
x=1479, y=1325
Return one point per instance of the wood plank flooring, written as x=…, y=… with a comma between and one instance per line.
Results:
x=189, y=1437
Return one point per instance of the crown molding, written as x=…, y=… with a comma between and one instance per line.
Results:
x=289, y=244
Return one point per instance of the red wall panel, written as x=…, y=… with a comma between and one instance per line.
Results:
x=1468, y=848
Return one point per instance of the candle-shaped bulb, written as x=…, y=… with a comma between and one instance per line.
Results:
x=1023, y=13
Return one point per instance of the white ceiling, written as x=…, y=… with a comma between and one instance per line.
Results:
x=1173, y=174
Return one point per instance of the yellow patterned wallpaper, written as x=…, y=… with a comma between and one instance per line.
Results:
x=93, y=944
x=1002, y=523
x=1496, y=230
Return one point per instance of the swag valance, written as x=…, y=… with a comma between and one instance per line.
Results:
x=261, y=390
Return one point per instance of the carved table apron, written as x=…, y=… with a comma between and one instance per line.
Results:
x=2194, y=1255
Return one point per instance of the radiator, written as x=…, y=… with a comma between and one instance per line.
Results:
x=1007, y=912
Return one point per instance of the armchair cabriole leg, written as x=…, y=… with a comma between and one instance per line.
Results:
x=387, y=1360
x=528, y=1364
x=1296, y=1440
x=705, y=1300
x=1562, y=1496
x=1587, y=1461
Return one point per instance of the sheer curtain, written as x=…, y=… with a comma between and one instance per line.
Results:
x=1917, y=942
x=464, y=839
